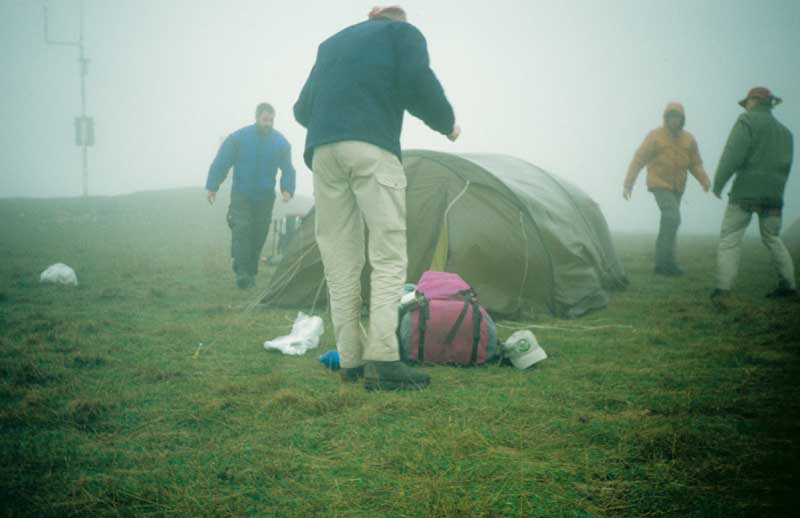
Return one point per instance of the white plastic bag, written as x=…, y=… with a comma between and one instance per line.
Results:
x=305, y=334
x=59, y=273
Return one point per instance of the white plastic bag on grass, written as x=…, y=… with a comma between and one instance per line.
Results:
x=305, y=334
x=59, y=273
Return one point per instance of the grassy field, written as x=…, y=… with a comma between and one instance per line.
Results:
x=105, y=410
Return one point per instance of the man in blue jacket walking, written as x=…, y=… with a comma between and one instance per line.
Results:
x=255, y=152
x=364, y=79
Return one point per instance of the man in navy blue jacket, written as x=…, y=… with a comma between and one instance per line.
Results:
x=364, y=79
x=255, y=152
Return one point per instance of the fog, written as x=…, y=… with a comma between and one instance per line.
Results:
x=571, y=86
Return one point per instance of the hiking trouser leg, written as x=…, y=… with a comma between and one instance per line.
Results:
x=729, y=249
x=261, y=216
x=240, y=221
x=340, y=237
x=770, y=227
x=379, y=184
x=669, y=203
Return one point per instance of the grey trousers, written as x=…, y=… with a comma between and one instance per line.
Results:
x=734, y=225
x=669, y=202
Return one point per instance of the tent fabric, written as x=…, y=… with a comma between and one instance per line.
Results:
x=298, y=205
x=523, y=238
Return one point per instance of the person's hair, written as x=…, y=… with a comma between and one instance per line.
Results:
x=393, y=12
x=264, y=107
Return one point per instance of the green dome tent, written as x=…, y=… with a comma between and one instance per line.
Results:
x=522, y=237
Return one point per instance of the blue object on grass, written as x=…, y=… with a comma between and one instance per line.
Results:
x=330, y=359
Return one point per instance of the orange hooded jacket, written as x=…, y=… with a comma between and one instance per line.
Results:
x=668, y=157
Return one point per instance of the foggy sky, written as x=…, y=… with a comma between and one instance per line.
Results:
x=572, y=86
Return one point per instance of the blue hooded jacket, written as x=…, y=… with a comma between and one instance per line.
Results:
x=255, y=158
x=364, y=79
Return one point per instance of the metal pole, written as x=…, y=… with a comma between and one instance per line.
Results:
x=84, y=70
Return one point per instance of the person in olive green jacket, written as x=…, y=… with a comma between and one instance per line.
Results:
x=758, y=155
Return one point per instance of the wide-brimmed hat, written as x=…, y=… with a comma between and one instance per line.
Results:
x=761, y=92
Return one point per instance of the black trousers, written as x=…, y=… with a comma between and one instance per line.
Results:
x=249, y=220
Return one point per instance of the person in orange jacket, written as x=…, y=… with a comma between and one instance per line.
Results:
x=667, y=152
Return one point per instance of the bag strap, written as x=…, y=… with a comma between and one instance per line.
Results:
x=451, y=335
x=476, y=330
x=424, y=315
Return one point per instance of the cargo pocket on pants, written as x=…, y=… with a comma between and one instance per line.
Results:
x=392, y=180
x=392, y=200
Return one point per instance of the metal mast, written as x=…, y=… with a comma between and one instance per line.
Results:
x=84, y=126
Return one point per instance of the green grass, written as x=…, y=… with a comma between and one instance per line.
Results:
x=105, y=410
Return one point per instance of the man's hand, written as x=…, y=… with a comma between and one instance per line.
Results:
x=285, y=196
x=453, y=136
x=706, y=188
x=211, y=196
x=626, y=193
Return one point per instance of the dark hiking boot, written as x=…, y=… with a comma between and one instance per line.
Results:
x=352, y=375
x=720, y=298
x=782, y=292
x=669, y=271
x=676, y=270
x=394, y=376
x=245, y=281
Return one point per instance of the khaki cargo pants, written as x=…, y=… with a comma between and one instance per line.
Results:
x=734, y=225
x=358, y=184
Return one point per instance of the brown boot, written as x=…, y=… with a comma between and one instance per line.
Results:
x=783, y=292
x=394, y=376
